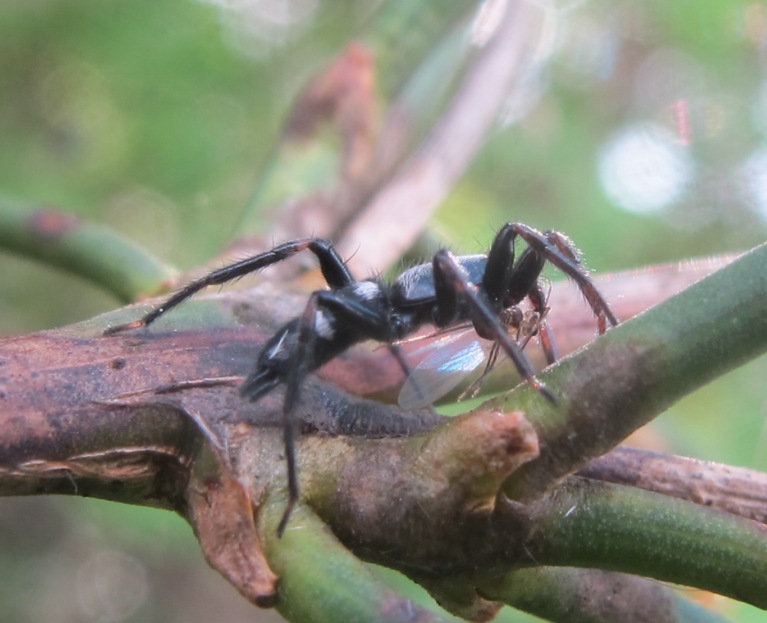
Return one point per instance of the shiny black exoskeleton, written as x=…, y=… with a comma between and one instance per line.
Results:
x=445, y=292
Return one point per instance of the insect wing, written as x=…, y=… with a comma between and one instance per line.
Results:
x=450, y=359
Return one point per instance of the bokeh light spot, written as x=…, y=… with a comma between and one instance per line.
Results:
x=644, y=169
x=111, y=586
x=753, y=176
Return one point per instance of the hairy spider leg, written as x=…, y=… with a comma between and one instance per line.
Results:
x=333, y=268
x=566, y=246
x=539, y=300
x=507, y=282
x=560, y=251
x=369, y=323
x=453, y=288
x=521, y=281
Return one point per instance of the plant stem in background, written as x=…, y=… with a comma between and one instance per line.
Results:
x=94, y=252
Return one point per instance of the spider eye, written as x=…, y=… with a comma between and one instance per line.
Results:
x=400, y=327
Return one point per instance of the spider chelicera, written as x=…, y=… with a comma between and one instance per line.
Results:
x=448, y=291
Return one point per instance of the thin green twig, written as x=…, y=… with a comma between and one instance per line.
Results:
x=570, y=595
x=321, y=581
x=94, y=252
x=612, y=527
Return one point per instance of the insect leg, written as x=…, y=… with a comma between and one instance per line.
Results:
x=545, y=335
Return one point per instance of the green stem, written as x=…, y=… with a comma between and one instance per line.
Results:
x=91, y=251
x=630, y=375
x=574, y=595
x=612, y=527
x=321, y=581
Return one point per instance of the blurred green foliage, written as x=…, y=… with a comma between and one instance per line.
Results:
x=155, y=117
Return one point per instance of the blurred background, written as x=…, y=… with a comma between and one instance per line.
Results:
x=641, y=131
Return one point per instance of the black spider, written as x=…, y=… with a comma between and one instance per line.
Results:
x=448, y=291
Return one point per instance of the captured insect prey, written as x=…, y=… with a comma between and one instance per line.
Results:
x=480, y=292
x=449, y=356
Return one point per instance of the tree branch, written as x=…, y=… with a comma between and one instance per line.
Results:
x=154, y=417
x=736, y=490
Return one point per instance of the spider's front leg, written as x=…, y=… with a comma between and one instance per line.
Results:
x=331, y=322
x=506, y=282
x=558, y=249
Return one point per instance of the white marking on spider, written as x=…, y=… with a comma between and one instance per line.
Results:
x=366, y=290
x=279, y=346
x=323, y=325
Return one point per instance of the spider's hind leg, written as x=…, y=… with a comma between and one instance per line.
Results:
x=333, y=268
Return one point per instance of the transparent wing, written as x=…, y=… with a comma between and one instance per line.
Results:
x=447, y=361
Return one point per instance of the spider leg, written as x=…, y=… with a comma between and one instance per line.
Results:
x=407, y=370
x=560, y=251
x=453, y=287
x=507, y=283
x=333, y=268
x=545, y=335
x=326, y=314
